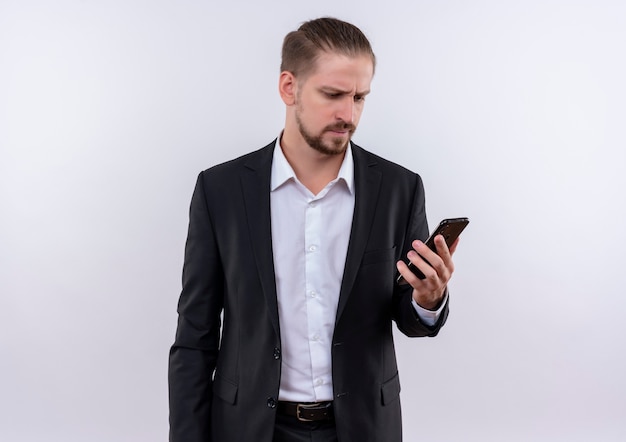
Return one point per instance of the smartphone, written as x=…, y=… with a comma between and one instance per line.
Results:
x=450, y=228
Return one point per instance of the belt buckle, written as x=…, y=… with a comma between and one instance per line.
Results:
x=300, y=407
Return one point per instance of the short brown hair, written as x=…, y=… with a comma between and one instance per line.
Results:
x=302, y=47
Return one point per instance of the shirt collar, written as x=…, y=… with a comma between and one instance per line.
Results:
x=283, y=172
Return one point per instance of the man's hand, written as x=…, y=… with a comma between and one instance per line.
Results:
x=428, y=292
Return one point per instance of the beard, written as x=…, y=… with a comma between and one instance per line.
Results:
x=334, y=146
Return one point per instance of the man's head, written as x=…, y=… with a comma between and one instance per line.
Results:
x=326, y=72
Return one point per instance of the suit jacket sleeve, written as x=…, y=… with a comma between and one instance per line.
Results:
x=406, y=317
x=194, y=353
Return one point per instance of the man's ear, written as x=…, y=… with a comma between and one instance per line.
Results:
x=287, y=87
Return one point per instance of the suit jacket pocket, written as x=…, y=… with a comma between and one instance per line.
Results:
x=390, y=390
x=375, y=256
x=225, y=389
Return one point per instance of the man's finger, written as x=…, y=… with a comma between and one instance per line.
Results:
x=454, y=245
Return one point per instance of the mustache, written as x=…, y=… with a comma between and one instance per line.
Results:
x=342, y=125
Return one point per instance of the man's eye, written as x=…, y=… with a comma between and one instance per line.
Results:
x=359, y=98
x=332, y=95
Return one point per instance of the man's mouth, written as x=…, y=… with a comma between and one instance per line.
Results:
x=341, y=130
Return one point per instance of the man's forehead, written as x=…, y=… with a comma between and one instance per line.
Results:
x=325, y=59
x=341, y=71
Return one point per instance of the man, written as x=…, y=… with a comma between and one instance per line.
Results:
x=298, y=246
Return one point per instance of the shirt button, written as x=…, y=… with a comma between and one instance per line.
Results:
x=312, y=248
x=316, y=337
x=319, y=382
x=312, y=204
x=313, y=294
x=277, y=353
x=271, y=402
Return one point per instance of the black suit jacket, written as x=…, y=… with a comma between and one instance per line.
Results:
x=224, y=370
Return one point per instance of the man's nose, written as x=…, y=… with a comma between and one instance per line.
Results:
x=345, y=111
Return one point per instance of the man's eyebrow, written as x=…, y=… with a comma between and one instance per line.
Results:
x=336, y=90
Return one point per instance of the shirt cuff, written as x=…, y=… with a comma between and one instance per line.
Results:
x=430, y=317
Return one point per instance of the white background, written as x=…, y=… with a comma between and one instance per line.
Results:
x=513, y=113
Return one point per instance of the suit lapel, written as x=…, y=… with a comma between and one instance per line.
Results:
x=255, y=183
x=367, y=186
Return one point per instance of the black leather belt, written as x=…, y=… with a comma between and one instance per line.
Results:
x=307, y=411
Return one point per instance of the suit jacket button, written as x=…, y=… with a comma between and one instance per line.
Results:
x=277, y=353
x=271, y=402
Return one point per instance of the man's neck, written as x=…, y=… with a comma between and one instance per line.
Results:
x=312, y=168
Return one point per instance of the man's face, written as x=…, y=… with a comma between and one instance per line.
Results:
x=330, y=100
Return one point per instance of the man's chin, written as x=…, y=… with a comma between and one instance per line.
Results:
x=332, y=148
x=338, y=143
x=329, y=143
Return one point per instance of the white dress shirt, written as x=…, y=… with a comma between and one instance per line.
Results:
x=310, y=235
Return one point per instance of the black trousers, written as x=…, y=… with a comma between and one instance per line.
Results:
x=290, y=429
